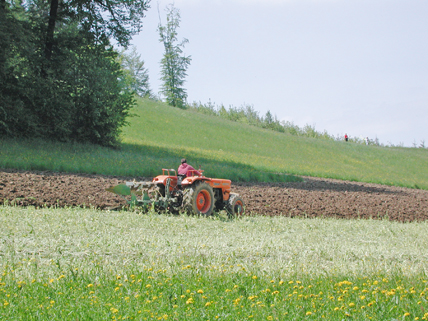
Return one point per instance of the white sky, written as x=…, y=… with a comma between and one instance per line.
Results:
x=346, y=66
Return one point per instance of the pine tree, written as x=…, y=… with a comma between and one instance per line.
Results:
x=136, y=75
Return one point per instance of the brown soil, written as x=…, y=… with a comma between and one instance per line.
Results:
x=312, y=198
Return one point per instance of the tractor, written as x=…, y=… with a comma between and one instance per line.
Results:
x=193, y=193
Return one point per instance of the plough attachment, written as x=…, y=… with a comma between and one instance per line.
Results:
x=144, y=194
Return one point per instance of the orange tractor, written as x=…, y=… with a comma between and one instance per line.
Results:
x=195, y=194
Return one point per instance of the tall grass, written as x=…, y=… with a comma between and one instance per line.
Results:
x=274, y=245
x=80, y=263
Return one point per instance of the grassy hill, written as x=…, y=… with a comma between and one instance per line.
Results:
x=159, y=136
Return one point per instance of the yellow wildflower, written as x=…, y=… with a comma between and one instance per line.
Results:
x=190, y=301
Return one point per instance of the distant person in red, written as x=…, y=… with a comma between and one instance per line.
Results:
x=346, y=137
x=184, y=169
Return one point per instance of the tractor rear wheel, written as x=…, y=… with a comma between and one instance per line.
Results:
x=199, y=199
x=235, y=205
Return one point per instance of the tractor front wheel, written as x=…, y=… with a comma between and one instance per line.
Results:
x=235, y=205
x=199, y=199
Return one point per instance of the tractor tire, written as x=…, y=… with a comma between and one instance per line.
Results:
x=235, y=205
x=199, y=199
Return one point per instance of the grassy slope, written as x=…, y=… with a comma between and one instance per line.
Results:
x=198, y=136
x=160, y=135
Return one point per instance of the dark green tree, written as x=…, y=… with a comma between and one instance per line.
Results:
x=117, y=19
x=174, y=63
x=16, y=44
x=59, y=75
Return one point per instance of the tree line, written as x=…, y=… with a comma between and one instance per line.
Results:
x=248, y=115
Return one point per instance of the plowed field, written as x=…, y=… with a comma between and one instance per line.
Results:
x=315, y=197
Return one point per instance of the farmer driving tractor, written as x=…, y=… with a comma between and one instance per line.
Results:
x=185, y=170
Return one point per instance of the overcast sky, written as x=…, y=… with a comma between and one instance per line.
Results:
x=346, y=66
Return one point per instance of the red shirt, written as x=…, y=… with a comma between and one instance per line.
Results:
x=184, y=169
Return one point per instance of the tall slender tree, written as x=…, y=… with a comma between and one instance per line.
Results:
x=174, y=63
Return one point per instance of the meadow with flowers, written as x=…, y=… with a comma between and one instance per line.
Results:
x=70, y=263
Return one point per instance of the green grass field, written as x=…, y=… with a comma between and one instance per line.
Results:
x=68, y=264
x=159, y=136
